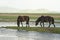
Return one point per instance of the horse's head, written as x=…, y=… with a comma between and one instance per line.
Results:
x=37, y=21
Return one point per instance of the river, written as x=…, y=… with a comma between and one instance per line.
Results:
x=10, y=34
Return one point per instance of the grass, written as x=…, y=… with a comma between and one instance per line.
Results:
x=38, y=29
x=14, y=18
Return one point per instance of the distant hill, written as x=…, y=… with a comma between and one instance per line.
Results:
x=14, y=10
x=37, y=11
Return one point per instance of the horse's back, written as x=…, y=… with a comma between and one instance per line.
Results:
x=46, y=18
x=23, y=18
x=26, y=17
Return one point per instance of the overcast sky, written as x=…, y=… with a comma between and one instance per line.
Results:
x=53, y=5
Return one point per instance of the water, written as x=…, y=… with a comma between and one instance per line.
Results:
x=32, y=24
x=9, y=34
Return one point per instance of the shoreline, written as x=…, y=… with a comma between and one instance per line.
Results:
x=37, y=29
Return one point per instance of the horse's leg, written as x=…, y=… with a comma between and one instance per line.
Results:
x=53, y=22
x=54, y=25
x=43, y=24
x=18, y=23
x=49, y=24
x=27, y=23
x=40, y=24
x=22, y=24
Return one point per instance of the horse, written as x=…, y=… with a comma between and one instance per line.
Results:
x=43, y=19
x=21, y=19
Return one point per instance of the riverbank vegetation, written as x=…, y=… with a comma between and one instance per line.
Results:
x=9, y=17
x=38, y=29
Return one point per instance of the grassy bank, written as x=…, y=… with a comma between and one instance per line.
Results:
x=13, y=16
x=38, y=29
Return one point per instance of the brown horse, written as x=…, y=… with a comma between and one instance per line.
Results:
x=21, y=19
x=43, y=19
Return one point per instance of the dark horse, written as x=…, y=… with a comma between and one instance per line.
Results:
x=21, y=19
x=43, y=19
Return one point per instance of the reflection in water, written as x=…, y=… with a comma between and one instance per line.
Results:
x=37, y=36
x=9, y=34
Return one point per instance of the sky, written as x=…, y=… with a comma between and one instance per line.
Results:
x=52, y=5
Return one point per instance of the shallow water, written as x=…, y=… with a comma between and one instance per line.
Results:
x=32, y=24
x=9, y=34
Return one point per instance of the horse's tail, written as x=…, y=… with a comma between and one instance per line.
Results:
x=52, y=20
x=18, y=22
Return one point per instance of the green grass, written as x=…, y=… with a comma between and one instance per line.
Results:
x=38, y=29
x=13, y=16
x=57, y=18
x=8, y=18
